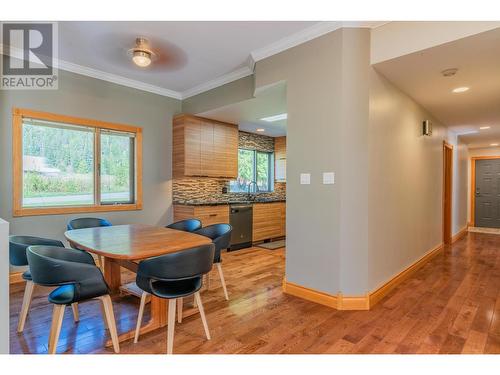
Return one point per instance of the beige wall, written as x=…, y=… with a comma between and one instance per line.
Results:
x=96, y=99
x=400, y=38
x=406, y=169
x=460, y=206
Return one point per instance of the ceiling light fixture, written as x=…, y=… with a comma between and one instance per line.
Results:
x=460, y=89
x=493, y=144
x=142, y=55
x=261, y=129
x=282, y=116
x=484, y=127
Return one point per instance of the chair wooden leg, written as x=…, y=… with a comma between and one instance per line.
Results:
x=171, y=325
x=179, y=309
x=55, y=328
x=28, y=295
x=144, y=297
x=110, y=318
x=76, y=315
x=202, y=313
x=208, y=280
x=223, y=282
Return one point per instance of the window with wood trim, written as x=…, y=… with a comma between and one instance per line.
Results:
x=64, y=164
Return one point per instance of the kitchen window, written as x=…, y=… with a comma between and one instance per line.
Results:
x=65, y=164
x=253, y=166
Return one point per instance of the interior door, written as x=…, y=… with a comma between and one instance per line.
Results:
x=487, y=193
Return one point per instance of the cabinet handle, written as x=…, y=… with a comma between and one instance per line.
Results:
x=212, y=215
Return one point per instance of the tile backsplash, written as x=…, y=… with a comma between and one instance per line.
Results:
x=210, y=189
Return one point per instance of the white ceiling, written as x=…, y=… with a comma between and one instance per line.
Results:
x=192, y=53
x=247, y=114
x=478, y=61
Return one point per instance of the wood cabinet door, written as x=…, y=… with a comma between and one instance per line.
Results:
x=219, y=151
x=207, y=150
x=283, y=219
x=192, y=148
x=266, y=221
x=231, y=151
x=212, y=214
x=280, y=159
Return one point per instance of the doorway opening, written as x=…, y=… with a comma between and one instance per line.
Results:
x=447, y=192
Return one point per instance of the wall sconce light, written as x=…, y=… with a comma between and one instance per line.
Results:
x=426, y=128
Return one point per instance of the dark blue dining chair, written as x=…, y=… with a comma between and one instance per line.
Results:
x=220, y=234
x=172, y=276
x=90, y=222
x=17, y=257
x=188, y=225
x=76, y=278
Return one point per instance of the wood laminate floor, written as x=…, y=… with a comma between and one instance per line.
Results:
x=451, y=305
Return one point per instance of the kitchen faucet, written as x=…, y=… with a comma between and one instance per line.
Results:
x=248, y=191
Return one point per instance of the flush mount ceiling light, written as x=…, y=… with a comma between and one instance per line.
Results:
x=142, y=55
x=282, y=116
x=261, y=129
x=460, y=89
x=493, y=144
x=484, y=127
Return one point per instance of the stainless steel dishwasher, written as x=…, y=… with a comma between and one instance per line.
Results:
x=240, y=218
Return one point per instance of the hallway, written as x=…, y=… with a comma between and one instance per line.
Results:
x=452, y=305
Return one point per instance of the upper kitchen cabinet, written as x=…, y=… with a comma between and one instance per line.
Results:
x=280, y=159
x=204, y=148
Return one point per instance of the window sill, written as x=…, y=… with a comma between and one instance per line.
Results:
x=75, y=209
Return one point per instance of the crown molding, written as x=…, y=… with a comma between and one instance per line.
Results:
x=242, y=72
x=120, y=80
x=104, y=76
x=315, y=31
x=305, y=35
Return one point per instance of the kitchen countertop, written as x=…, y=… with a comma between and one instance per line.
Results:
x=220, y=203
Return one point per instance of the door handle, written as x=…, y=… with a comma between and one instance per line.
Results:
x=477, y=191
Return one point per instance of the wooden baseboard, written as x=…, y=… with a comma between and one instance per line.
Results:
x=15, y=277
x=384, y=289
x=364, y=302
x=460, y=234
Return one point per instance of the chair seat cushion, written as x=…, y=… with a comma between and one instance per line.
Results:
x=27, y=275
x=71, y=293
x=176, y=289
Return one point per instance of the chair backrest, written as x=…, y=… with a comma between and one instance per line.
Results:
x=88, y=222
x=188, y=225
x=19, y=244
x=220, y=234
x=52, y=266
x=181, y=265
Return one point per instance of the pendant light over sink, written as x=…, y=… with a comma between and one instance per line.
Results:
x=142, y=55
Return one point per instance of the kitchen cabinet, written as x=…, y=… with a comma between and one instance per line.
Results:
x=204, y=148
x=280, y=159
x=208, y=215
x=268, y=220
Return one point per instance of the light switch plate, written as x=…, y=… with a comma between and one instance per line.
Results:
x=328, y=178
x=305, y=178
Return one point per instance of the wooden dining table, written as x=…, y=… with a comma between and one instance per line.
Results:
x=126, y=245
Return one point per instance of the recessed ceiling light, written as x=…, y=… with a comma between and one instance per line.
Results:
x=282, y=116
x=261, y=129
x=484, y=127
x=449, y=72
x=460, y=89
x=493, y=144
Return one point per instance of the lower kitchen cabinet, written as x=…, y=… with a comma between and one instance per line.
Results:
x=208, y=215
x=268, y=219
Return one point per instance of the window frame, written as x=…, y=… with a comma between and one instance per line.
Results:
x=17, y=165
x=270, y=168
